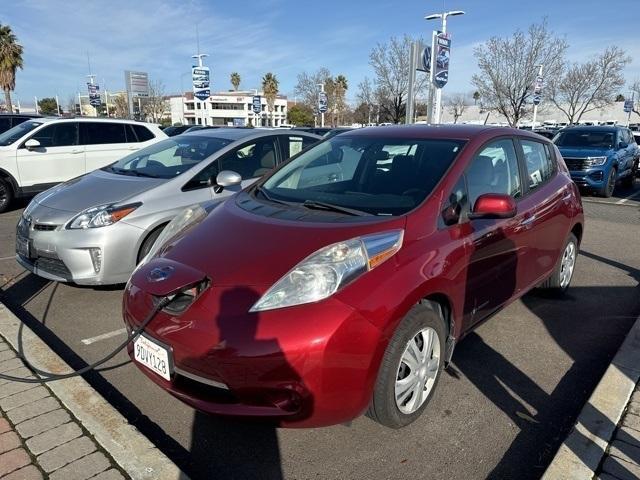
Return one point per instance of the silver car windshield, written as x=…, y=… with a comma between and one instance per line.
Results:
x=168, y=158
x=370, y=175
x=16, y=133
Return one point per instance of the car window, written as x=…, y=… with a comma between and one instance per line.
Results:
x=457, y=203
x=539, y=163
x=61, y=134
x=143, y=133
x=5, y=124
x=16, y=133
x=375, y=175
x=101, y=133
x=494, y=170
x=585, y=138
x=168, y=158
x=251, y=160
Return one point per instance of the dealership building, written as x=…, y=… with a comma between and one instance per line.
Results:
x=226, y=108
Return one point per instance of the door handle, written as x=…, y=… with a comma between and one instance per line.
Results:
x=77, y=151
x=134, y=148
x=528, y=221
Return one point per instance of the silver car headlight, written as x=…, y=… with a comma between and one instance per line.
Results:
x=597, y=161
x=326, y=271
x=184, y=221
x=101, y=216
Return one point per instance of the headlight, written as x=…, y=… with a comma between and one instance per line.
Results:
x=177, y=227
x=326, y=271
x=102, y=216
x=26, y=213
x=596, y=161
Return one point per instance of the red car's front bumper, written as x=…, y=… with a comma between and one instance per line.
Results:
x=310, y=365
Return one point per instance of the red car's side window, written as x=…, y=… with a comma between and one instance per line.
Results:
x=539, y=162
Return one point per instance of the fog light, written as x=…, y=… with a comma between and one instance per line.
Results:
x=96, y=259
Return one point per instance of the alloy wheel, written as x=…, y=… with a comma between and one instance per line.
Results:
x=567, y=264
x=418, y=370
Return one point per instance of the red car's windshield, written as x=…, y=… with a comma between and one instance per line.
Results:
x=372, y=175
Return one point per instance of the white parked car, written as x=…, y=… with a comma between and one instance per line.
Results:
x=40, y=153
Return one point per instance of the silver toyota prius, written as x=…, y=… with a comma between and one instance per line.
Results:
x=95, y=229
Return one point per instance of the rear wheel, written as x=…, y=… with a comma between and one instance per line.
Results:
x=410, y=369
x=560, y=279
x=6, y=195
x=630, y=179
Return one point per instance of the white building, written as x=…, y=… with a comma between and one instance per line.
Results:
x=226, y=108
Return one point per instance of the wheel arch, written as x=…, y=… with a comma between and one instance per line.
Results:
x=578, y=230
x=143, y=238
x=443, y=305
x=12, y=181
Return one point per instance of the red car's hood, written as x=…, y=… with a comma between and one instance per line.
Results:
x=234, y=247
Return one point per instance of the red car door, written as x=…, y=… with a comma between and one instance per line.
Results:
x=546, y=228
x=497, y=249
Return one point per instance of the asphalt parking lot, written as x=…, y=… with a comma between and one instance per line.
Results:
x=513, y=392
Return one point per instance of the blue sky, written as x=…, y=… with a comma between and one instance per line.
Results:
x=282, y=36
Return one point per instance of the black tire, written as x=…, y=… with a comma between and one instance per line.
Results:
x=148, y=243
x=6, y=195
x=610, y=185
x=553, y=284
x=383, y=408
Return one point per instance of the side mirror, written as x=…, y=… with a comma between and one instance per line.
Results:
x=32, y=144
x=494, y=205
x=622, y=145
x=226, y=179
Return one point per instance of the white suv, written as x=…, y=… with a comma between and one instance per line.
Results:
x=43, y=152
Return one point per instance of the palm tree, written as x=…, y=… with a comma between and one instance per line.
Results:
x=235, y=80
x=476, y=97
x=341, y=86
x=10, y=61
x=270, y=90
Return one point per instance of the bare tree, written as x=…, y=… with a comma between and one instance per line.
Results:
x=72, y=102
x=591, y=85
x=120, y=105
x=155, y=105
x=366, y=98
x=391, y=66
x=308, y=86
x=509, y=66
x=456, y=105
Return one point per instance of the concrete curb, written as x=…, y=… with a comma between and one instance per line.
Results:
x=582, y=451
x=131, y=450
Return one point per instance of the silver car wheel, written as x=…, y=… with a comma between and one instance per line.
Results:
x=418, y=370
x=567, y=264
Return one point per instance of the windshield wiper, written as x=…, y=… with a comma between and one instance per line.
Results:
x=264, y=193
x=314, y=204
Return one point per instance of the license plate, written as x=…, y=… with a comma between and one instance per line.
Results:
x=153, y=356
x=22, y=247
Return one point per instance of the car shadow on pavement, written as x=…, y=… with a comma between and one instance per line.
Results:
x=231, y=448
x=577, y=322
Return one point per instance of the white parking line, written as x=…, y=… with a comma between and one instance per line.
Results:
x=624, y=200
x=104, y=336
x=604, y=202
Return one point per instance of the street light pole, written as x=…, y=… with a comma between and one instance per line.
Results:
x=321, y=85
x=535, y=105
x=438, y=91
x=200, y=56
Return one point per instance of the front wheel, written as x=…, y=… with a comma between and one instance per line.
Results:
x=410, y=369
x=560, y=279
x=610, y=185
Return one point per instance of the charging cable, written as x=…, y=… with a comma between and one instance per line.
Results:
x=50, y=377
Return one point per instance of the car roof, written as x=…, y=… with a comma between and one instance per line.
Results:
x=599, y=128
x=91, y=119
x=462, y=132
x=234, y=134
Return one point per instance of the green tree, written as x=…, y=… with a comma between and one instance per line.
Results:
x=10, y=61
x=300, y=115
x=620, y=98
x=476, y=97
x=235, y=80
x=270, y=86
x=48, y=106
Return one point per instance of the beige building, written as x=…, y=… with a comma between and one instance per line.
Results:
x=226, y=108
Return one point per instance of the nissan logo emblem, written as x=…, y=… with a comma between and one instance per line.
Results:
x=160, y=274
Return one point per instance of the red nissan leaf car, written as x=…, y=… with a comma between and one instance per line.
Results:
x=341, y=283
